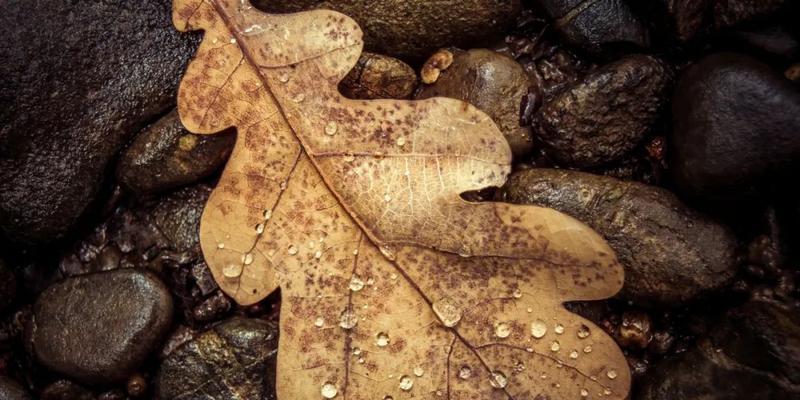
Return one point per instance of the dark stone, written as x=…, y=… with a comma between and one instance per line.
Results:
x=606, y=115
x=493, y=82
x=774, y=40
x=10, y=390
x=415, y=28
x=734, y=12
x=671, y=253
x=235, y=359
x=98, y=328
x=178, y=216
x=166, y=156
x=376, y=76
x=596, y=24
x=686, y=17
x=752, y=354
x=8, y=286
x=66, y=390
x=736, y=127
x=78, y=78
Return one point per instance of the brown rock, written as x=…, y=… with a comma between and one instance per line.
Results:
x=671, y=253
x=605, y=115
x=376, y=76
x=494, y=83
x=595, y=24
x=165, y=156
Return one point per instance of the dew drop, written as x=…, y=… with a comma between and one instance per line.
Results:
x=538, y=329
x=356, y=351
x=584, y=393
x=293, y=249
x=583, y=332
x=233, y=40
x=247, y=259
x=406, y=383
x=220, y=245
x=348, y=319
x=318, y=254
x=329, y=391
x=530, y=310
x=382, y=339
x=498, y=380
x=349, y=158
x=387, y=197
x=260, y=229
x=607, y=391
x=465, y=372
x=267, y=214
x=448, y=311
x=559, y=329
x=573, y=354
x=331, y=128
x=418, y=371
x=356, y=283
x=299, y=98
x=611, y=374
x=587, y=349
x=555, y=346
x=502, y=330
x=284, y=77
x=517, y=293
x=401, y=141
x=232, y=271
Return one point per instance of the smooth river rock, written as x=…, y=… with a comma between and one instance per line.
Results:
x=671, y=253
x=99, y=328
x=596, y=24
x=11, y=390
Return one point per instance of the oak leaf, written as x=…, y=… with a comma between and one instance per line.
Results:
x=392, y=285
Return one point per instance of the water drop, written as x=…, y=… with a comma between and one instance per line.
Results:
x=502, y=330
x=356, y=283
x=611, y=374
x=348, y=319
x=555, y=346
x=607, y=391
x=584, y=332
x=318, y=254
x=247, y=259
x=573, y=354
x=292, y=250
x=587, y=349
x=356, y=351
x=233, y=40
x=406, y=383
x=538, y=329
x=331, y=128
x=267, y=214
x=418, y=371
x=319, y=322
x=559, y=329
x=387, y=197
x=448, y=311
x=498, y=380
x=260, y=229
x=517, y=293
x=232, y=271
x=465, y=372
x=299, y=98
x=284, y=77
x=382, y=339
x=401, y=141
x=329, y=391
x=220, y=245
x=584, y=393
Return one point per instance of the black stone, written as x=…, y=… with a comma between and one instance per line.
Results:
x=11, y=390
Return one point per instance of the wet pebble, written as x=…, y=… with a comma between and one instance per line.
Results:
x=165, y=156
x=376, y=76
x=671, y=253
x=66, y=390
x=735, y=128
x=494, y=83
x=605, y=115
x=98, y=328
x=235, y=359
x=596, y=24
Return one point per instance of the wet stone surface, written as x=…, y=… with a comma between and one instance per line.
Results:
x=100, y=327
x=11, y=390
x=671, y=253
x=376, y=76
x=78, y=96
x=234, y=359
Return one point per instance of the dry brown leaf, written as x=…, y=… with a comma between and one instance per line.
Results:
x=392, y=285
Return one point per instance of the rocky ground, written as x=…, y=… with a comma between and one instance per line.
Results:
x=672, y=127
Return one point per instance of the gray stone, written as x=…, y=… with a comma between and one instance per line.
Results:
x=78, y=79
x=235, y=359
x=671, y=253
x=98, y=328
x=166, y=156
